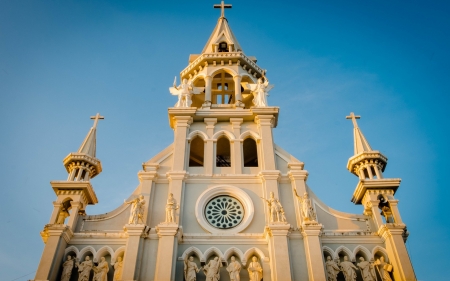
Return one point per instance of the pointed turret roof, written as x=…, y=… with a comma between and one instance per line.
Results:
x=89, y=144
x=222, y=32
x=361, y=144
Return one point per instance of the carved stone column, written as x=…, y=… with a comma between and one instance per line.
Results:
x=209, y=160
x=237, y=159
x=394, y=208
x=181, y=127
x=237, y=91
x=298, y=178
x=392, y=234
x=313, y=250
x=267, y=149
x=55, y=237
x=135, y=233
x=167, y=248
x=56, y=209
x=73, y=218
x=277, y=234
x=208, y=85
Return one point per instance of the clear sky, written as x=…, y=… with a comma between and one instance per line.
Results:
x=63, y=61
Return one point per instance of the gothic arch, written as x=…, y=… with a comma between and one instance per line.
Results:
x=253, y=252
x=86, y=250
x=196, y=133
x=117, y=254
x=250, y=134
x=345, y=250
x=326, y=249
x=71, y=249
x=379, y=249
x=208, y=253
x=367, y=253
x=233, y=250
x=103, y=251
x=224, y=69
x=189, y=251
x=227, y=134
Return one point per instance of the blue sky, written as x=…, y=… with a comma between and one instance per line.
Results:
x=63, y=61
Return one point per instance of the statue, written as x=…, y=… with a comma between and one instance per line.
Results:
x=171, y=206
x=367, y=270
x=184, y=92
x=255, y=270
x=283, y=214
x=233, y=269
x=67, y=268
x=275, y=208
x=348, y=269
x=307, y=208
x=190, y=269
x=118, y=266
x=84, y=269
x=137, y=210
x=332, y=269
x=211, y=270
x=260, y=91
x=383, y=269
x=101, y=270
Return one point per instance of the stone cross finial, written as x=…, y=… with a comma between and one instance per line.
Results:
x=96, y=118
x=222, y=6
x=353, y=117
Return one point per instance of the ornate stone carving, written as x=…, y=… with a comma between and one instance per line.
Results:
x=84, y=269
x=211, y=270
x=383, y=269
x=137, y=210
x=190, y=269
x=63, y=214
x=101, y=270
x=184, y=92
x=308, y=213
x=67, y=268
x=348, y=269
x=171, y=206
x=276, y=210
x=255, y=270
x=118, y=266
x=234, y=268
x=260, y=91
x=332, y=269
x=367, y=270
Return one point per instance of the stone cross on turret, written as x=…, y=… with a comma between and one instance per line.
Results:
x=353, y=117
x=222, y=6
x=96, y=118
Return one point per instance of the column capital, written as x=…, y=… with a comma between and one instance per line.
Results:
x=391, y=229
x=277, y=229
x=312, y=229
x=298, y=175
x=270, y=174
x=76, y=204
x=236, y=121
x=135, y=229
x=150, y=175
x=210, y=121
x=166, y=229
x=264, y=120
x=59, y=230
x=176, y=175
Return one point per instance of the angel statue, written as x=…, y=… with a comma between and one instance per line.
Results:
x=260, y=91
x=184, y=92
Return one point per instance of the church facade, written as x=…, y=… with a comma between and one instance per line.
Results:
x=223, y=201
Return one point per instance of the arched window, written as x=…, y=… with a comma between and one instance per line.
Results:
x=223, y=158
x=197, y=152
x=250, y=153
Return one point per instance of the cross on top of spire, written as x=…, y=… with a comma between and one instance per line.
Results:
x=222, y=6
x=353, y=117
x=96, y=118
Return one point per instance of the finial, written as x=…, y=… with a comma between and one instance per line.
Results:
x=96, y=118
x=353, y=117
x=222, y=6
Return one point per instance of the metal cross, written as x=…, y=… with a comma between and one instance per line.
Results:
x=222, y=6
x=96, y=118
x=353, y=117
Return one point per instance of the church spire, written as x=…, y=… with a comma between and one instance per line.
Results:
x=83, y=165
x=366, y=163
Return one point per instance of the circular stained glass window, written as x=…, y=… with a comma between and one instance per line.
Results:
x=224, y=212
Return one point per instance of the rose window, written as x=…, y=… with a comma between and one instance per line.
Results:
x=224, y=212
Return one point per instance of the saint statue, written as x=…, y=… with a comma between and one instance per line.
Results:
x=171, y=206
x=190, y=269
x=211, y=270
x=67, y=268
x=367, y=270
x=84, y=269
x=101, y=270
x=348, y=269
x=307, y=208
x=137, y=210
x=255, y=270
x=118, y=266
x=184, y=92
x=233, y=268
x=260, y=91
x=274, y=208
x=332, y=269
x=383, y=269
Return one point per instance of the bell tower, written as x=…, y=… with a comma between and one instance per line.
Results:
x=72, y=197
x=376, y=194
